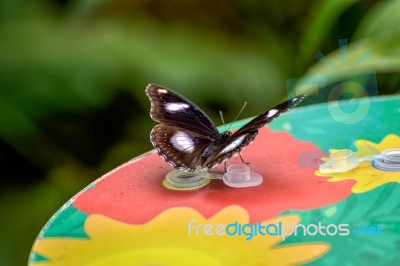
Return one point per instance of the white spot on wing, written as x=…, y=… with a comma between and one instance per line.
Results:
x=175, y=107
x=233, y=145
x=272, y=112
x=182, y=142
x=163, y=91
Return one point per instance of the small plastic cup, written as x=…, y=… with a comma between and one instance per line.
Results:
x=240, y=176
x=342, y=158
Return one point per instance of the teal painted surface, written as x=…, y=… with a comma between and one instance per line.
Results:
x=36, y=258
x=67, y=222
x=338, y=124
x=379, y=207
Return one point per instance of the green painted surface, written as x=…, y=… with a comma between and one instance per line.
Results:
x=365, y=211
x=36, y=258
x=67, y=222
x=337, y=126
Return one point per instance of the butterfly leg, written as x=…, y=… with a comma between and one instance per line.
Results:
x=242, y=159
x=225, y=166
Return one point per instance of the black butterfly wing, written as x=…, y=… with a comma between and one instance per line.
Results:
x=179, y=147
x=246, y=134
x=268, y=116
x=168, y=107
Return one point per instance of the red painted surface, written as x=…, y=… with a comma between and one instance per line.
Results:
x=134, y=192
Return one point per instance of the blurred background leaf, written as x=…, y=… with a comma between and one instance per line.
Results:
x=73, y=73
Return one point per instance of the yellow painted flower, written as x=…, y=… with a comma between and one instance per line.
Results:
x=366, y=176
x=165, y=240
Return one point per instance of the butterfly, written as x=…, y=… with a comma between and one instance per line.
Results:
x=186, y=137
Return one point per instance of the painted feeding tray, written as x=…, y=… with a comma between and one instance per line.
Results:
x=297, y=215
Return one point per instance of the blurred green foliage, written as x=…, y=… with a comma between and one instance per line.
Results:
x=73, y=73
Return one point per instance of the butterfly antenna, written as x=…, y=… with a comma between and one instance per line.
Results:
x=222, y=119
x=237, y=116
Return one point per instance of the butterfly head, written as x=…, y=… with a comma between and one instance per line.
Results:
x=222, y=137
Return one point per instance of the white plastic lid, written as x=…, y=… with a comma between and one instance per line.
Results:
x=240, y=176
x=388, y=161
x=339, y=161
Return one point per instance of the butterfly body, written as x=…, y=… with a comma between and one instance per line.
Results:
x=188, y=139
x=215, y=148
